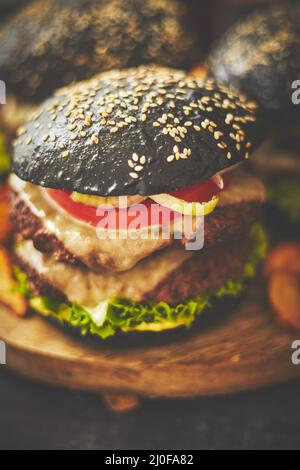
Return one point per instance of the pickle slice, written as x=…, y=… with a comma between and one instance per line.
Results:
x=186, y=208
x=115, y=201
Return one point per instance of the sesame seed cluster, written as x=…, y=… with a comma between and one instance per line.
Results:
x=261, y=56
x=60, y=41
x=144, y=130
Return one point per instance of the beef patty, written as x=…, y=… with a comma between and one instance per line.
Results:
x=163, y=277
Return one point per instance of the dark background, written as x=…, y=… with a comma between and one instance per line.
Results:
x=34, y=416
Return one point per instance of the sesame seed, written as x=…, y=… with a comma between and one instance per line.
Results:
x=171, y=158
x=45, y=137
x=139, y=168
x=95, y=139
x=135, y=157
x=218, y=134
x=134, y=175
x=229, y=118
x=66, y=154
x=88, y=121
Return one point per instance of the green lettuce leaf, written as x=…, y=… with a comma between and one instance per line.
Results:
x=4, y=157
x=125, y=315
x=285, y=196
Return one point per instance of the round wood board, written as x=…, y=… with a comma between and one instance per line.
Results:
x=244, y=350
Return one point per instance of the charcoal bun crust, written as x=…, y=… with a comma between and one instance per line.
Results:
x=50, y=44
x=143, y=131
x=260, y=56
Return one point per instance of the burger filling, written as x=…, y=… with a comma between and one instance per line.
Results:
x=103, y=285
x=66, y=228
x=125, y=312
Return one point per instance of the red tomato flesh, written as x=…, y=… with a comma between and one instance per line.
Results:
x=123, y=218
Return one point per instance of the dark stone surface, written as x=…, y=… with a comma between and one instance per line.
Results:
x=34, y=416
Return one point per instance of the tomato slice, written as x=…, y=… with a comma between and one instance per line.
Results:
x=200, y=192
x=124, y=219
x=140, y=216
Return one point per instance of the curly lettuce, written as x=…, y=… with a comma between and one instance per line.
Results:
x=125, y=315
x=285, y=196
x=4, y=157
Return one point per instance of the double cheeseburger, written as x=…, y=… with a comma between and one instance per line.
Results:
x=148, y=137
x=51, y=44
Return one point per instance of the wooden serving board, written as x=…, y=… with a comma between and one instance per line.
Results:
x=243, y=350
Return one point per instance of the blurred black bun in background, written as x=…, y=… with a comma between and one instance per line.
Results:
x=49, y=44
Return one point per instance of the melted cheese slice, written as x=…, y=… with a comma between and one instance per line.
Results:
x=90, y=289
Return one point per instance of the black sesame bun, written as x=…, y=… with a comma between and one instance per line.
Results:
x=51, y=44
x=261, y=57
x=143, y=131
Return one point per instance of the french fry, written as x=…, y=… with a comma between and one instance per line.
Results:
x=284, y=294
x=5, y=224
x=284, y=258
x=16, y=302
